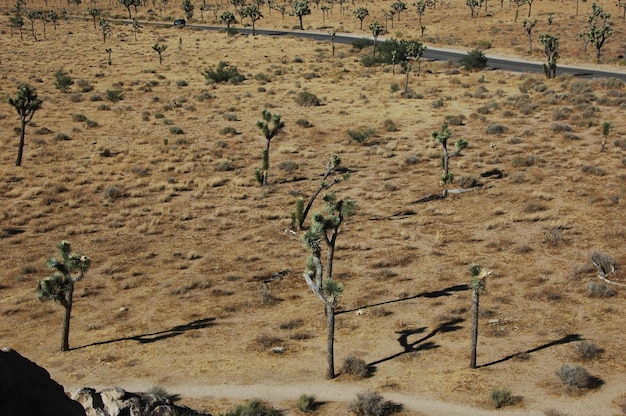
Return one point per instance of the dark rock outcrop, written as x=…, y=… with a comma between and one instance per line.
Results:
x=26, y=389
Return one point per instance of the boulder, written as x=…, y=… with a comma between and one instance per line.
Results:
x=26, y=389
x=119, y=402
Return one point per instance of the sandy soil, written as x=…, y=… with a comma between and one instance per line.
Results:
x=182, y=237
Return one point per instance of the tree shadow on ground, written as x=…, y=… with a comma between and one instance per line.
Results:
x=430, y=295
x=421, y=344
x=157, y=336
x=565, y=340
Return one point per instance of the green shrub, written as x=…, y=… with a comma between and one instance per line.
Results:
x=600, y=290
x=361, y=135
x=288, y=165
x=496, y=129
x=306, y=403
x=62, y=137
x=475, y=59
x=355, y=367
x=176, y=130
x=112, y=192
x=63, y=81
x=304, y=123
x=228, y=131
x=80, y=118
x=362, y=43
x=253, y=408
x=307, y=99
x=224, y=73
x=114, y=95
x=469, y=182
x=389, y=125
x=182, y=83
x=501, y=397
x=372, y=403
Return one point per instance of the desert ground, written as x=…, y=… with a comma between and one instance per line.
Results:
x=158, y=189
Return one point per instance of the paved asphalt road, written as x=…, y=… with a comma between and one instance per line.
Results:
x=436, y=54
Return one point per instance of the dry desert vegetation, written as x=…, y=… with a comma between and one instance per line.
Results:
x=158, y=188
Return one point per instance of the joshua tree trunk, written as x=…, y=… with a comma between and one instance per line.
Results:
x=67, y=305
x=475, y=303
x=20, y=149
x=330, y=341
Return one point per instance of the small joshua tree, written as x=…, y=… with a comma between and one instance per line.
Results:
x=270, y=126
x=398, y=7
x=420, y=7
x=25, y=103
x=551, y=46
x=159, y=49
x=442, y=138
x=187, y=7
x=106, y=29
x=227, y=18
x=474, y=6
x=528, y=28
x=17, y=22
x=300, y=8
x=606, y=129
x=254, y=13
x=376, y=29
x=361, y=13
x=478, y=285
x=328, y=290
x=108, y=51
x=60, y=285
x=94, y=13
x=135, y=28
x=301, y=212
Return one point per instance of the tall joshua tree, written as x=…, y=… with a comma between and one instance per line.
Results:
x=599, y=28
x=478, y=285
x=328, y=290
x=95, y=13
x=376, y=28
x=442, y=138
x=25, y=103
x=270, y=126
x=187, y=7
x=551, y=46
x=60, y=285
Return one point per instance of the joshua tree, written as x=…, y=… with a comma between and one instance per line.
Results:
x=17, y=21
x=414, y=50
x=227, y=18
x=203, y=6
x=474, y=6
x=270, y=126
x=398, y=7
x=606, y=129
x=361, y=13
x=332, y=35
x=135, y=28
x=551, y=46
x=106, y=29
x=326, y=289
x=528, y=28
x=94, y=13
x=300, y=8
x=478, y=285
x=389, y=16
x=60, y=285
x=325, y=13
x=420, y=7
x=45, y=18
x=299, y=215
x=376, y=30
x=599, y=28
x=518, y=4
x=26, y=103
x=530, y=6
x=254, y=13
x=187, y=7
x=159, y=49
x=442, y=137
x=32, y=16
x=128, y=4
x=108, y=51
x=53, y=17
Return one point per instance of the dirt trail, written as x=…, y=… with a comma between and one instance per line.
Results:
x=596, y=403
